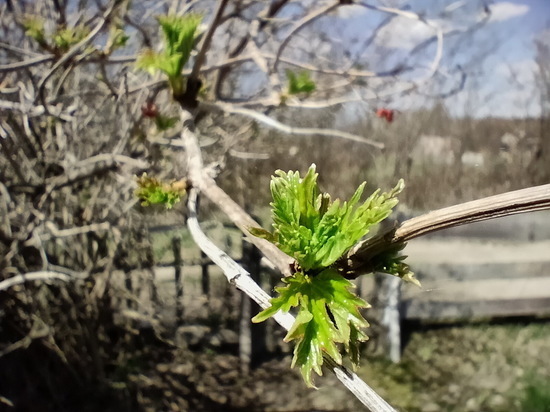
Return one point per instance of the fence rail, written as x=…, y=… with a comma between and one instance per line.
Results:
x=465, y=274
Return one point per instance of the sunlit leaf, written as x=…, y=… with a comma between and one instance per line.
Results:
x=328, y=316
x=316, y=232
x=179, y=38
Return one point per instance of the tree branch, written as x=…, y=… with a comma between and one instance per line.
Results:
x=302, y=131
x=76, y=48
x=299, y=25
x=510, y=203
x=205, y=46
x=201, y=180
x=42, y=276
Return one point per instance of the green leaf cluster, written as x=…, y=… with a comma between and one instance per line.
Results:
x=117, y=39
x=312, y=229
x=317, y=232
x=61, y=40
x=299, y=83
x=328, y=315
x=179, y=37
x=34, y=28
x=152, y=191
x=66, y=37
x=164, y=123
x=390, y=261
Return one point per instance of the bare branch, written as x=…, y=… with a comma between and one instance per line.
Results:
x=94, y=227
x=45, y=276
x=200, y=179
x=300, y=131
x=299, y=25
x=205, y=46
x=519, y=201
x=414, y=16
x=93, y=165
x=234, y=273
x=35, y=61
x=248, y=155
x=35, y=110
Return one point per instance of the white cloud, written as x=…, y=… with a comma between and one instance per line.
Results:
x=507, y=10
x=351, y=11
x=403, y=33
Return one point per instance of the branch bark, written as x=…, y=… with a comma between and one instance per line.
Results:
x=510, y=203
x=290, y=130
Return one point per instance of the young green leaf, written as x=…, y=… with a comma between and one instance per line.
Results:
x=299, y=83
x=152, y=191
x=117, y=39
x=316, y=232
x=165, y=122
x=69, y=36
x=34, y=28
x=179, y=35
x=328, y=315
x=179, y=38
x=390, y=261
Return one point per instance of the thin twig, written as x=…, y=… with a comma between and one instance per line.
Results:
x=299, y=25
x=300, y=131
x=74, y=231
x=35, y=61
x=414, y=16
x=42, y=276
x=205, y=46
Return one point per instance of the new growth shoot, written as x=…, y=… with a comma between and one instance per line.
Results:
x=317, y=232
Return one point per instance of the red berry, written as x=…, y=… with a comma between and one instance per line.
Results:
x=149, y=110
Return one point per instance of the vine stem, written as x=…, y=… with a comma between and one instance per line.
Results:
x=510, y=203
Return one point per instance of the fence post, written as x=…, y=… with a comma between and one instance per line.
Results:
x=128, y=284
x=205, y=281
x=176, y=248
x=245, y=335
x=391, y=317
x=252, y=342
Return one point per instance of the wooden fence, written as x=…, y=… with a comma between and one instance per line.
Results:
x=466, y=275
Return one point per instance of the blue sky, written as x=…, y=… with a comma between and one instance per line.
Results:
x=507, y=79
x=498, y=57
